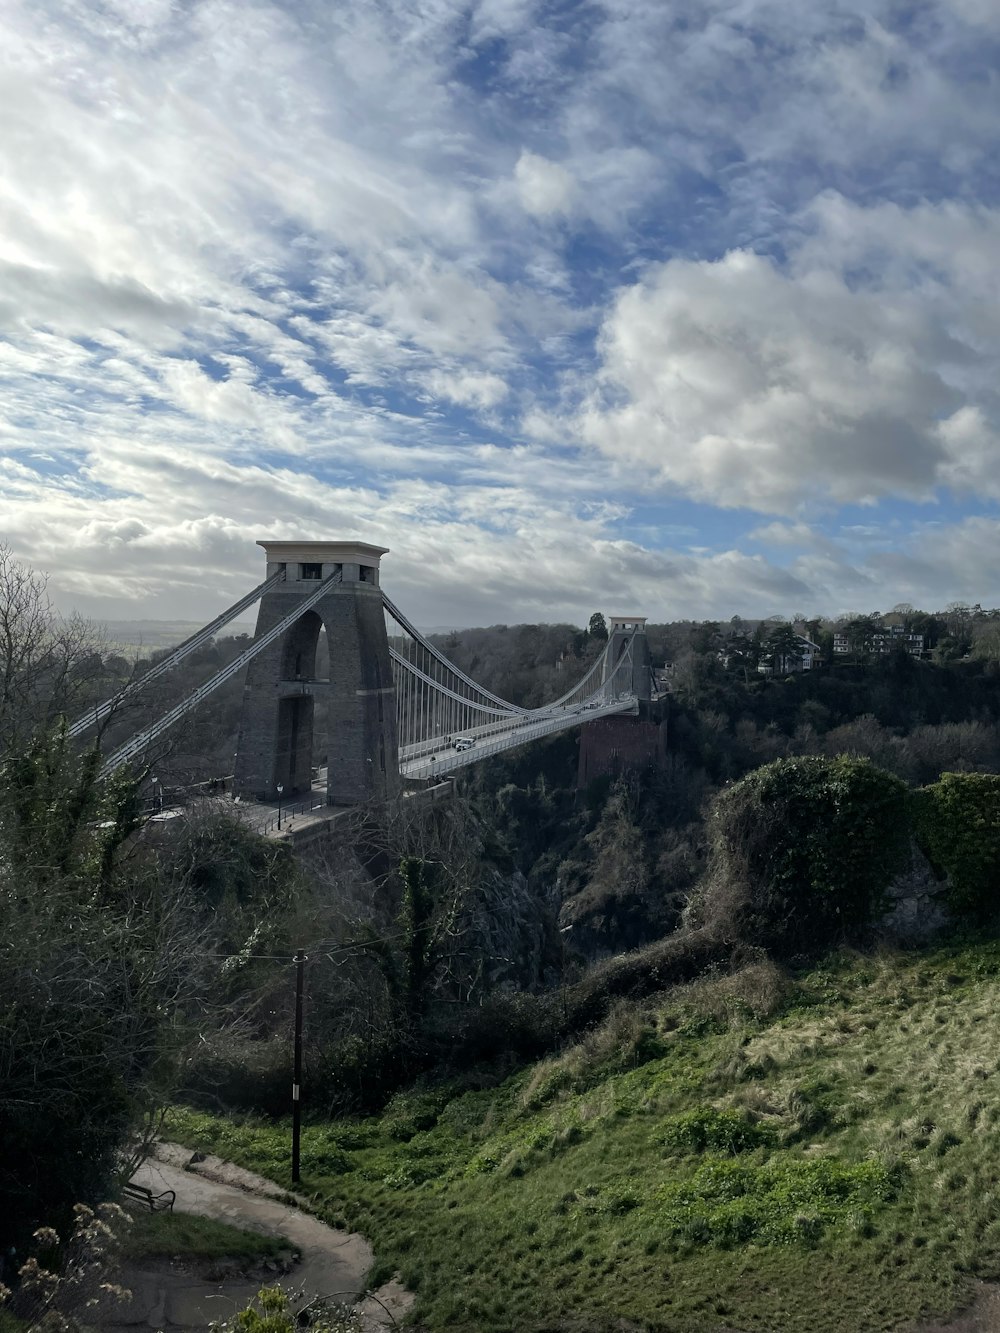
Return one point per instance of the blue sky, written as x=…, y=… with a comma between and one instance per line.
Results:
x=689, y=309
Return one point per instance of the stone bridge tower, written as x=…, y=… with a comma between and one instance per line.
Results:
x=282, y=700
x=622, y=629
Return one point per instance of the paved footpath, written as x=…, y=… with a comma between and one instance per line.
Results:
x=333, y=1264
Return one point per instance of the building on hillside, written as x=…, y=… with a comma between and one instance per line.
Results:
x=883, y=640
x=810, y=656
x=662, y=677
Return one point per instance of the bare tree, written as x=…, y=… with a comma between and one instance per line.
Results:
x=413, y=923
x=48, y=664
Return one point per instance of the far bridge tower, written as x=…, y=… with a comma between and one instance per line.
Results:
x=627, y=630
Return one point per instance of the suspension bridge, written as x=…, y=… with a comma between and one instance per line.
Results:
x=393, y=706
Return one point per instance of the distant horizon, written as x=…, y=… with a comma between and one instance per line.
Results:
x=183, y=628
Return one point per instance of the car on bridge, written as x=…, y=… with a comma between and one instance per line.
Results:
x=463, y=742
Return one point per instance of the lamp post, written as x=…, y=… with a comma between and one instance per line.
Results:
x=157, y=794
x=281, y=788
x=299, y=961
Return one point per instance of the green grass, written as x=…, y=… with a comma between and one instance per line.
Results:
x=182, y=1235
x=823, y=1156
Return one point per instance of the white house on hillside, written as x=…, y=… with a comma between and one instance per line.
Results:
x=883, y=640
x=784, y=665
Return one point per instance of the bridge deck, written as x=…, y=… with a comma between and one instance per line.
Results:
x=447, y=759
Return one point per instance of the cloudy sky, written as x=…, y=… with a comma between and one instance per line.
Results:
x=683, y=308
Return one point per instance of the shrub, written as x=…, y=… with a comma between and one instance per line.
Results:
x=242, y=1074
x=59, y=1286
x=71, y=1054
x=802, y=851
x=412, y=1112
x=670, y=962
x=624, y=1040
x=515, y=1024
x=957, y=824
x=728, y=1203
x=272, y=1312
x=722, y=1131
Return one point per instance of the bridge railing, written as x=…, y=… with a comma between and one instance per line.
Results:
x=288, y=812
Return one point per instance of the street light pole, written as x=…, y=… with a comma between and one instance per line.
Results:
x=157, y=794
x=299, y=961
x=281, y=788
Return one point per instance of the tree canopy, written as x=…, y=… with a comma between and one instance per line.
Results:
x=597, y=627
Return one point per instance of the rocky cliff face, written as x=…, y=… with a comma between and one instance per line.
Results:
x=508, y=933
x=600, y=921
x=917, y=902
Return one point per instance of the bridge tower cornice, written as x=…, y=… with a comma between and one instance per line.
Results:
x=627, y=624
x=306, y=562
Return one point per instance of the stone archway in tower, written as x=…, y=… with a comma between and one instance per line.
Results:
x=298, y=650
x=297, y=705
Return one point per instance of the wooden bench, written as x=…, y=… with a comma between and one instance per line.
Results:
x=156, y=1203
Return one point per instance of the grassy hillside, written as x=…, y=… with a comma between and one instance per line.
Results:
x=751, y=1152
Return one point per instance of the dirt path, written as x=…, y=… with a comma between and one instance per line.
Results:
x=982, y=1316
x=333, y=1264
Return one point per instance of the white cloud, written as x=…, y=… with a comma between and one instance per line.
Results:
x=751, y=385
x=798, y=536
x=441, y=310
x=175, y=532
x=544, y=188
x=972, y=447
x=467, y=388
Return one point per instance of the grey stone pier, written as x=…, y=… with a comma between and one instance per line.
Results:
x=620, y=631
x=283, y=701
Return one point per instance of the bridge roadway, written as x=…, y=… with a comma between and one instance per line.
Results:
x=440, y=756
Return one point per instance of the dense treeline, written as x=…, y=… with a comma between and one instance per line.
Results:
x=527, y=664
x=949, y=635
x=621, y=858
x=915, y=717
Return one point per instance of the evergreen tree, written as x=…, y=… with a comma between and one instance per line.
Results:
x=784, y=650
x=598, y=626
